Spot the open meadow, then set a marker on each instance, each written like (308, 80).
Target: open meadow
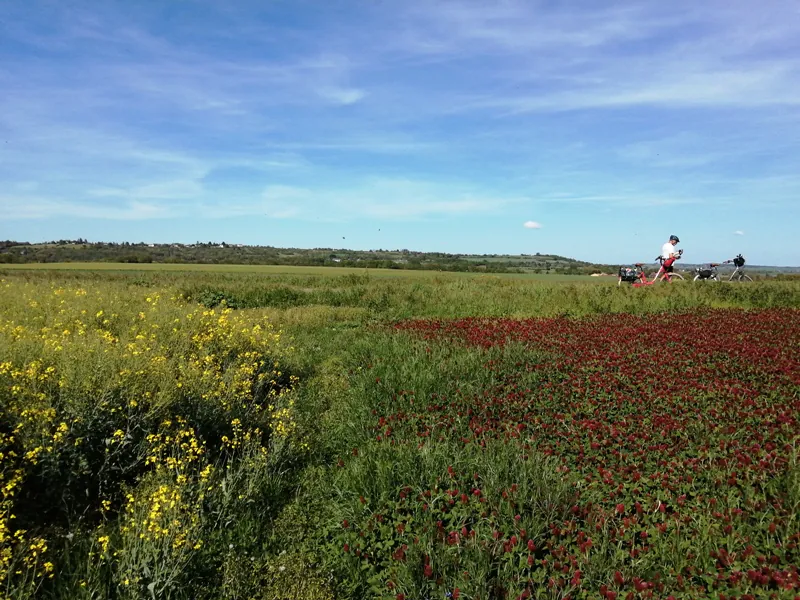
(273, 270)
(216, 432)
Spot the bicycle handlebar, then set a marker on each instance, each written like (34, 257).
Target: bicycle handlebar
(660, 258)
(730, 260)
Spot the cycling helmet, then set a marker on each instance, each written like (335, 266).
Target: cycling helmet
(674, 237)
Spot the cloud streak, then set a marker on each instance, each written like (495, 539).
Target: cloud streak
(24, 208)
(383, 199)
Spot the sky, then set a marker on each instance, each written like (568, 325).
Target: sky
(588, 129)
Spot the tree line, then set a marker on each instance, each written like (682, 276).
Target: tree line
(80, 250)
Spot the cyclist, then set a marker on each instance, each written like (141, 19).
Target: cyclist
(669, 254)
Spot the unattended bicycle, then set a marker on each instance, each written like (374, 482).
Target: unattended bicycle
(709, 273)
(634, 275)
(738, 273)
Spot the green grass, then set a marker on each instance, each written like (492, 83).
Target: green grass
(388, 295)
(280, 270)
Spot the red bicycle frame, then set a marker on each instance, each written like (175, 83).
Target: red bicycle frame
(643, 276)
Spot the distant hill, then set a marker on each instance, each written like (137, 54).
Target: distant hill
(224, 253)
(81, 250)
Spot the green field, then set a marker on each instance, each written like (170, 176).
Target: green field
(282, 270)
(238, 432)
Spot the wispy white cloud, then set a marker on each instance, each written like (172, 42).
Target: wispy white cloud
(363, 143)
(278, 160)
(686, 86)
(22, 208)
(530, 58)
(738, 232)
(375, 198)
(449, 28)
(378, 198)
(630, 200)
(532, 225)
(341, 95)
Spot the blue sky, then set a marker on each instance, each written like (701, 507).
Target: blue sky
(421, 124)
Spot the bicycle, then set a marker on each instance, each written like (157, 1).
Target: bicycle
(637, 277)
(738, 273)
(631, 274)
(666, 275)
(709, 274)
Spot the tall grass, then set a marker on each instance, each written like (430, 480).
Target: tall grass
(439, 295)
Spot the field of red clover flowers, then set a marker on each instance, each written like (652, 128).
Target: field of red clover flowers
(668, 445)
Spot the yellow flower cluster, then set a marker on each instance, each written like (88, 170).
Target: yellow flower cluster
(212, 373)
(168, 348)
(161, 513)
(20, 554)
(175, 448)
(281, 420)
(160, 525)
(82, 367)
(241, 437)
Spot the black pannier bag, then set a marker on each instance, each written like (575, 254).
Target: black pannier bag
(706, 273)
(628, 274)
(739, 261)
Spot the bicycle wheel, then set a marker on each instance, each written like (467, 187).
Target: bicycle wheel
(676, 277)
(746, 278)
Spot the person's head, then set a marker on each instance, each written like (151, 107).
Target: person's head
(673, 239)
